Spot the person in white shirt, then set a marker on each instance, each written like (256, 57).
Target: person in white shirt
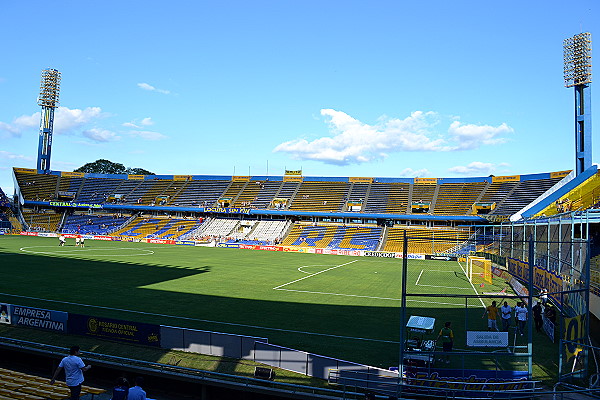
(136, 392)
(521, 316)
(74, 368)
(505, 312)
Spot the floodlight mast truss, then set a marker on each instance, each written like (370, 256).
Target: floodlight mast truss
(577, 53)
(48, 99)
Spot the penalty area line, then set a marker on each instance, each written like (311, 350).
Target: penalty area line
(372, 297)
(311, 275)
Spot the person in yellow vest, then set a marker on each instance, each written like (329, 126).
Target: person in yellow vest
(447, 337)
(492, 314)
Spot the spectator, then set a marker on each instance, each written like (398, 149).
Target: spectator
(537, 316)
(521, 316)
(551, 313)
(74, 368)
(121, 389)
(506, 312)
(447, 340)
(136, 392)
(491, 312)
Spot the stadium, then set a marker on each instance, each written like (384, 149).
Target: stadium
(294, 286)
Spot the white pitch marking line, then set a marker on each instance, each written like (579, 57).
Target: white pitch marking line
(340, 294)
(419, 278)
(371, 297)
(316, 273)
(446, 287)
(475, 290)
(440, 270)
(305, 266)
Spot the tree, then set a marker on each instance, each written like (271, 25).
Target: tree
(138, 171)
(102, 166)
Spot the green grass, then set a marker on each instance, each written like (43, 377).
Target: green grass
(344, 307)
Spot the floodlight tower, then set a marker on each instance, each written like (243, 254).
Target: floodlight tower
(577, 53)
(49, 90)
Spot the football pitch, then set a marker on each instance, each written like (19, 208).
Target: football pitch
(338, 306)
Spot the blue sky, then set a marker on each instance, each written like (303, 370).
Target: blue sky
(335, 88)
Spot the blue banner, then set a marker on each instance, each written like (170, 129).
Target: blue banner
(114, 329)
(186, 242)
(229, 245)
(39, 318)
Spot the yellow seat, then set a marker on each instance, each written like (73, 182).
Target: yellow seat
(92, 390)
(11, 385)
(14, 394)
(44, 393)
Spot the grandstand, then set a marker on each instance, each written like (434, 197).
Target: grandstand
(352, 213)
(381, 196)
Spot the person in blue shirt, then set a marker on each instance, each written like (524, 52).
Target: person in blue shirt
(121, 389)
(136, 392)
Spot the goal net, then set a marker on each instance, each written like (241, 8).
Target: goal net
(479, 270)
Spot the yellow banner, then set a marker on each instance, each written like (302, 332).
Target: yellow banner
(292, 178)
(296, 172)
(559, 174)
(25, 170)
(72, 174)
(507, 178)
(360, 180)
(426, 181)
(182, 177)
(574, 331)
(240, 178)
(136, 176)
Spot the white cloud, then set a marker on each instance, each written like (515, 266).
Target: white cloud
(20, 124)
(147, 135)
(65, 121)
(146, 86)
(147, 121)
(475, 168)
(8, 156)
(100, 135)
(473, 136)
(144, 122)
(414, 173)
(354, 142)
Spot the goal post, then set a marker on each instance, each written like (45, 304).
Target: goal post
(479, 270)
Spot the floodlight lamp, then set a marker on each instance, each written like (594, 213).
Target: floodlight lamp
(577, 52)
(49, 88)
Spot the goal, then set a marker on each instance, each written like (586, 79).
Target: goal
(479, 270)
